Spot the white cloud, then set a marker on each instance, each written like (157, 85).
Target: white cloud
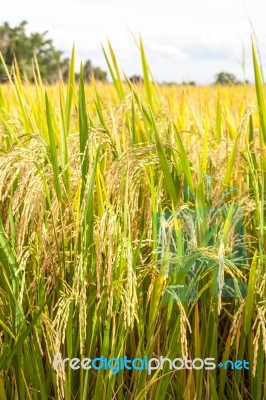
(167, 51)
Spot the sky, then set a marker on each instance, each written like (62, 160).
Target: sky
(184, 40)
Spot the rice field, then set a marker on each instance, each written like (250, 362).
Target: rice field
(132, 223)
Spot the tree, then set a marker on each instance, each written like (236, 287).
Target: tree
(14, 42)
(136, 79)
(225, 78)
(97, 72)
(190, 83)
(88, 70)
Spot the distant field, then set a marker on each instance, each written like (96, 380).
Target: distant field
(132, 223)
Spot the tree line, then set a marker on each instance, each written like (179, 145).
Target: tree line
(16, 43)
